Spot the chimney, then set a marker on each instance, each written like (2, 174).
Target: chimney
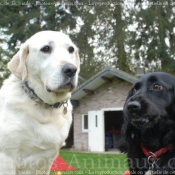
(140, 71)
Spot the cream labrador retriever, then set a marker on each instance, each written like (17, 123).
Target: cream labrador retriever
(35, 110)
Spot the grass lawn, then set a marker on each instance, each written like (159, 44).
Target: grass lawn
(95, 163)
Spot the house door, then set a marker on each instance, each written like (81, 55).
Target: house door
(96, 131)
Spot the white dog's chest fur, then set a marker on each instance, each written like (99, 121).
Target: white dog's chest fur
(40, 147)
(36, 134)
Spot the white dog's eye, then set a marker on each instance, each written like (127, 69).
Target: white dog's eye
(46, 49)
(71, 49)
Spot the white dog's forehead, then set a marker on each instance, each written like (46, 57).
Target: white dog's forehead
(43, 38)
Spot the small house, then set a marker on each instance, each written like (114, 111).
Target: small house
(98, 105)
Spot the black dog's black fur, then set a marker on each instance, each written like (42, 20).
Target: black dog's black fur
(149, 119)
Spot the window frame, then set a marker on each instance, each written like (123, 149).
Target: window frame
(82, 124)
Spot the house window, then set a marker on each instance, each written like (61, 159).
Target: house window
(84, 123)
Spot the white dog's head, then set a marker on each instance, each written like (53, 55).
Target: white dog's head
(50, 63)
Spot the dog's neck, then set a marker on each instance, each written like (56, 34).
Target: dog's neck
(157, 137)
(34, 97)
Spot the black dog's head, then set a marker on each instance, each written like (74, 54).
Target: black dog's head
(150, 99)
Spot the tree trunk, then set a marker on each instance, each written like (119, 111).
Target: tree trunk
(119, 34)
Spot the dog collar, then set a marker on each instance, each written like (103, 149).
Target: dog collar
(152, 157)
(156, 154)
(35, 97)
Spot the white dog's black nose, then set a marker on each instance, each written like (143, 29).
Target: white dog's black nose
(69, 70)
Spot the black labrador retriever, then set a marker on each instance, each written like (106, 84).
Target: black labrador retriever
(148, 132)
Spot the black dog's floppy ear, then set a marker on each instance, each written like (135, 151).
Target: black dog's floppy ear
(128, 131)
(128, 134)
(18, 63)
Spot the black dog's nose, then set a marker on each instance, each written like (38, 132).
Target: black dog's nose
(133, 106)
(69, 70)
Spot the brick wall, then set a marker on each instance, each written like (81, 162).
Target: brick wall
(109, 95)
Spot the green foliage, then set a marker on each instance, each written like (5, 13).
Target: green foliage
(149, 39)
(19, 22)
(125, 36)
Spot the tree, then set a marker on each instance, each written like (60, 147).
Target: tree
(110, 33)
(152, 39)
(22, 19)
(120, 36)
(84, 23)
(109, 36)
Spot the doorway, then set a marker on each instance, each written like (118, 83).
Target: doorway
(104, 129)
(113, 121)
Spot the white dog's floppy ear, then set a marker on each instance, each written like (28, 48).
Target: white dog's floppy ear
(18, 63)
(77, 60)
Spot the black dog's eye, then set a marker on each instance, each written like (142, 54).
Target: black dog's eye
(157, 87)
(46, 49)
(134, 91)
(71, 49)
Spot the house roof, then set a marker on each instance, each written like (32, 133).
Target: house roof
(99, 79)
